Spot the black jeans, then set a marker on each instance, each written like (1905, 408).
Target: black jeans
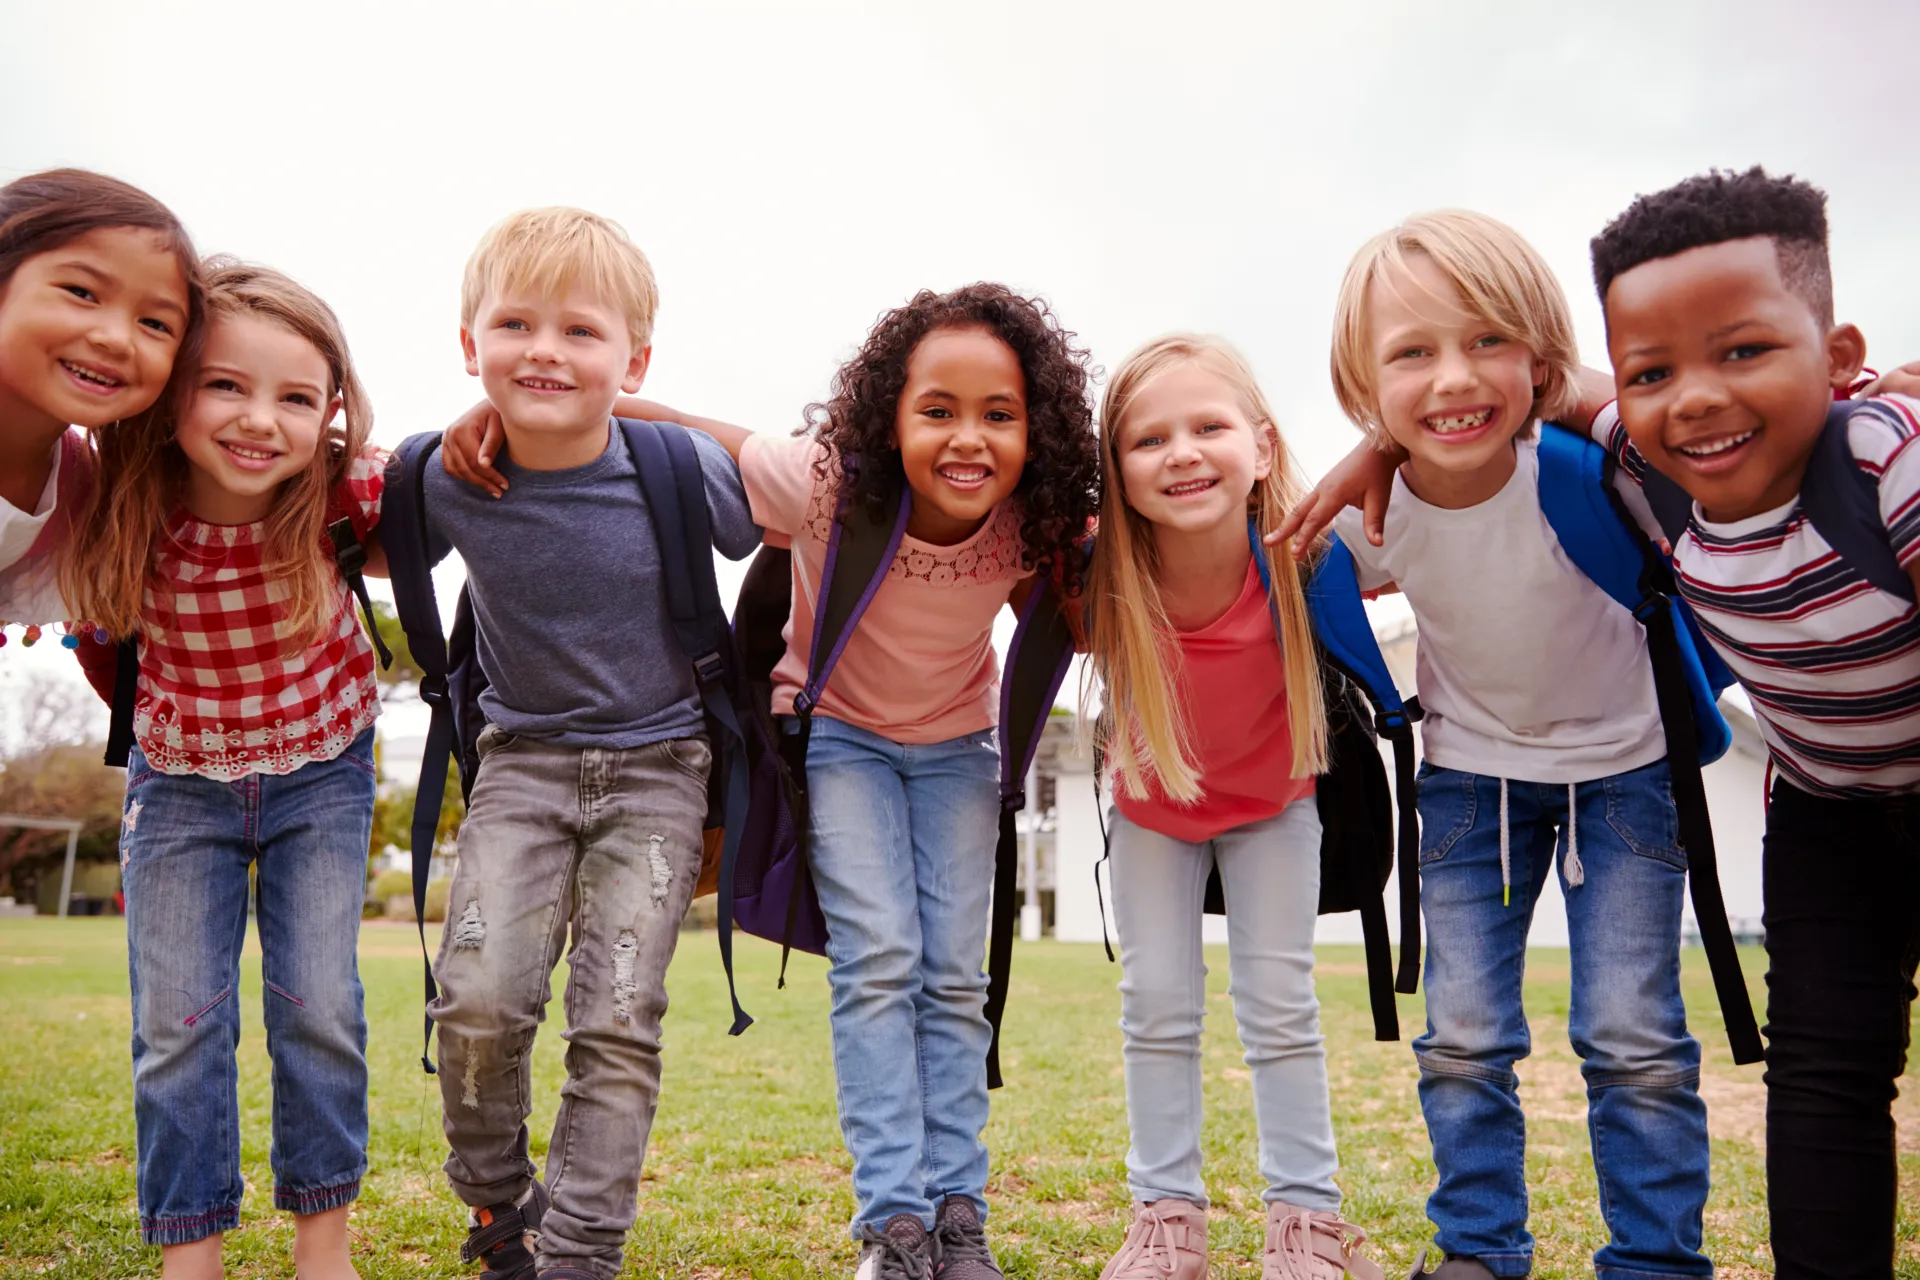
(1842, 891)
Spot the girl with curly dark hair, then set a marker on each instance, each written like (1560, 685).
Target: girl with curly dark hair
(977, 402)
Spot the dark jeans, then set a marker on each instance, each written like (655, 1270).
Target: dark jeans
(1843, 938)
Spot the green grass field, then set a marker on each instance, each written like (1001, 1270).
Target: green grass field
(746, 1175)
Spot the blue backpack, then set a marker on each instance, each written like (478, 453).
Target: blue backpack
(452, 680)
(1605, 543)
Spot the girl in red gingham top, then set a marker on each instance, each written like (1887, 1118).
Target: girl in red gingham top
(206, 543)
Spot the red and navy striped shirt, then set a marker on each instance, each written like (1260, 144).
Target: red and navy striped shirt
(1830, 662)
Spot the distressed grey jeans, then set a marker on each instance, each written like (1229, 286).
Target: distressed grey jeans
(607, 842)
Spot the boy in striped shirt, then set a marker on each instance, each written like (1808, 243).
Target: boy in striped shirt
(1719, 311)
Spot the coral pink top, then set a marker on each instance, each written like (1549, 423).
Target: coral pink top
(920, 666)
(1234, 688)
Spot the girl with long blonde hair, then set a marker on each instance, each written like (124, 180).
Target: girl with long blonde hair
(1214, 724)
(206, 543)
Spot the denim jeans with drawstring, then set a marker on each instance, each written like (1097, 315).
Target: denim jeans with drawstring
(1624, 879)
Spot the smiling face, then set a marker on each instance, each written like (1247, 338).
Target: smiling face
(1452, 390)
(260, 401)
(553, 367)
(1188, 455)
(1725, 374)
(89, 331)
(961, 428)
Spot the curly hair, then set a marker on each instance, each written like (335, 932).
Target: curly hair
(1062, 474)
(1718, 206)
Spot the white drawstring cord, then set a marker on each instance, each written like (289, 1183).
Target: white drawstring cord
(1576, 873)
(1506, 869)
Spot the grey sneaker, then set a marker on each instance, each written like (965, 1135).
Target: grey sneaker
(901, 1250)
(1452, 1269)
(960, 1243)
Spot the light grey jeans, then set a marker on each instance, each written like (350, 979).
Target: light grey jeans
(608, 842)
(1271, 873)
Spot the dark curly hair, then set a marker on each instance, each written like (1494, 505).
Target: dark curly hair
(1719, 206)
(1062, 473)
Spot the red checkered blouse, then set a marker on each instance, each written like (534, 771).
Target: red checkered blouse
(219, 695)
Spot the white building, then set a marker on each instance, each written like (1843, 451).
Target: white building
(1069, 842)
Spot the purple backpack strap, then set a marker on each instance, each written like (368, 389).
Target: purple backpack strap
(849, 579)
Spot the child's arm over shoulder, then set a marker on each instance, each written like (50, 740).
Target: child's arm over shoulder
(1369, 558)
(734, 532)
(731, 438)
(1364, 480)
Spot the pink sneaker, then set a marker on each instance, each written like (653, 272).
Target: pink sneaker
(1167, 1241)
(1304, 1244)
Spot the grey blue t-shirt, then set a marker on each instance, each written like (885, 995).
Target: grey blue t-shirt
(569, 603)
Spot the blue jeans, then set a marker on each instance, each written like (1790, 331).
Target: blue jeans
(1270, 871)
(902, 846)
(186, 846)
(1645, 1118)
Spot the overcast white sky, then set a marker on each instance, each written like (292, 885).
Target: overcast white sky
(793, 169)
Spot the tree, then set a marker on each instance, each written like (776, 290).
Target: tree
(404, 669)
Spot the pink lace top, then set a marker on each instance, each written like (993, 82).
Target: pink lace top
(920, 667)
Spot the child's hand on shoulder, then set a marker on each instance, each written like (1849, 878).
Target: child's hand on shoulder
(1363, 479)
(1904, 381)
(469, 446)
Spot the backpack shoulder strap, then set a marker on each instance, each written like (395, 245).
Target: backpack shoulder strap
(403, 536)
(1037, 663)
(860, 550)
(670, 476)
(1842, 503)
(1348, 644)
(126, 691)
(1594, 529)
(1575, 497)
(351, 558)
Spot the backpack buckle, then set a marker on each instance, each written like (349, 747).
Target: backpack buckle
(1649, 604)
(803, 703)
(709, 668)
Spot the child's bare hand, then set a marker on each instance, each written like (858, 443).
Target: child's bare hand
(1904, 381)
(1363, 479)
(469, 446)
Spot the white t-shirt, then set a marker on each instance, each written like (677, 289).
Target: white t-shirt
(1527, 670)
(29, 590)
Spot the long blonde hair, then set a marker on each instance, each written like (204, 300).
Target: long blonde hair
(1142, 727)
(143, 476)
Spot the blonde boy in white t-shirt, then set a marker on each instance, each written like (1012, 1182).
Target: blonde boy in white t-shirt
(1452, 340)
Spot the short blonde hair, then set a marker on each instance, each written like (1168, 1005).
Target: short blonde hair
(549, 251)
(1500, 278)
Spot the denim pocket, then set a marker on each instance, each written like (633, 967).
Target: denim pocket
(691, 756)
(493, 738)
(1640, 811)
(1446, 802)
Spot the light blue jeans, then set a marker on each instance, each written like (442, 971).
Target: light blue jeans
(186, 846)
(1270, 871)
(903, 838)
(1626, 1020)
